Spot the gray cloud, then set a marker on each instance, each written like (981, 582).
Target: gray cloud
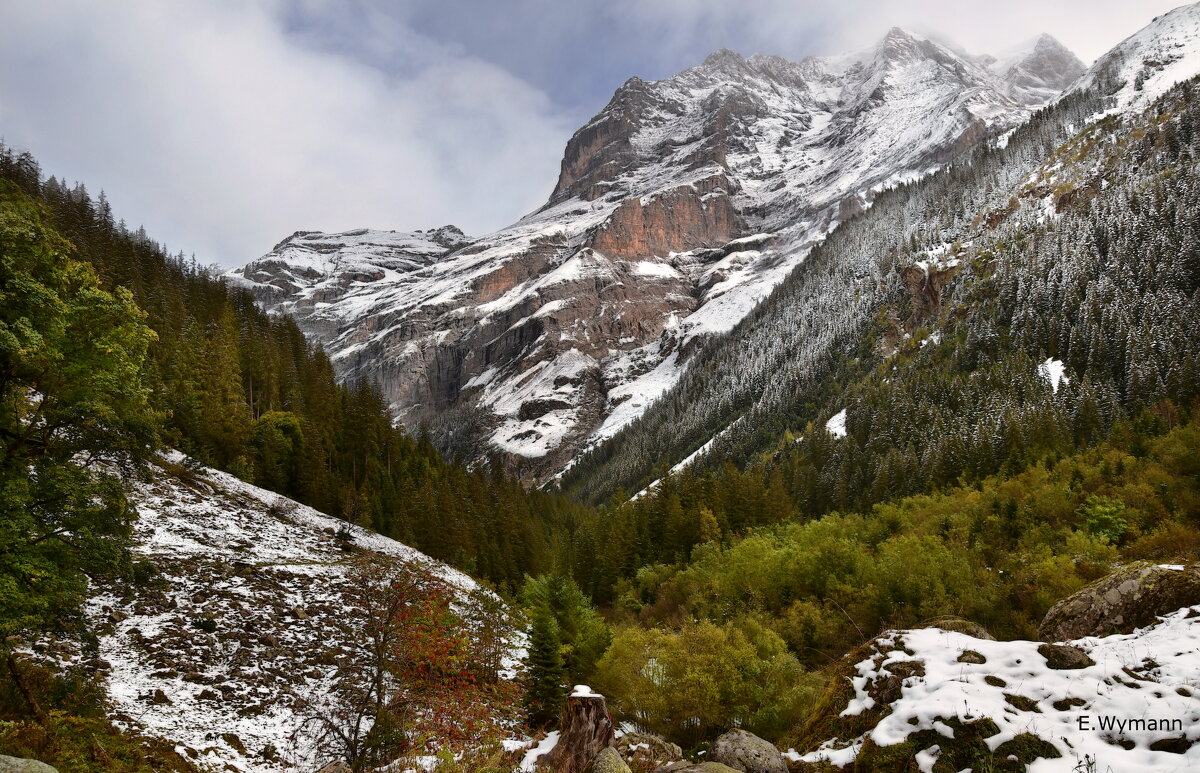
(225, 125)
(222, 134)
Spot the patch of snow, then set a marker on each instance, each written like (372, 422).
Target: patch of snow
(1054, 372)
(836, 425)
(544, 747)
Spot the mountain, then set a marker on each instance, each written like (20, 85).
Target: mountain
(1143, 66)
(678, 208)
(912, 272)
(1038, 71)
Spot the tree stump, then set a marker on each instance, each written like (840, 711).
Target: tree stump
(584, 730)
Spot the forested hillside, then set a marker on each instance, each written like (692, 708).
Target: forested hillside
(245, 392)
(928, 318)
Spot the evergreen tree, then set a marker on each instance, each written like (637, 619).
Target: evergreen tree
(547, 674)
(75, 419)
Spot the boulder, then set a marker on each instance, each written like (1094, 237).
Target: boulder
(19, 765)
(960, 625)
(748, 753)
(648, 752)
(1131, 597)
(337, 766)
(702, 767)
(609, 761)
(1062, 657)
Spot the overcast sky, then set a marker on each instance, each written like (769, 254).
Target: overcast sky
(225, 125)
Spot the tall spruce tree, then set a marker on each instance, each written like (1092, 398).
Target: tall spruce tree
(547, 674)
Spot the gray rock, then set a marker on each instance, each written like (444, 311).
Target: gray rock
(648, 750)
(748, 753)
(703, 767)
(608, 761)
(1131, 597)
(960, 625)
(1061, 657)
(335, 767)
(18, 765)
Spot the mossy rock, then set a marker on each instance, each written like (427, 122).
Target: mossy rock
(19, 765)
(608, 761)
(646, 752)
(1132, 597)
(960, 625)
(1063, 658)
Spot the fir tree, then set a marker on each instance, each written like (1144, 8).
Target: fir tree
(547, 674)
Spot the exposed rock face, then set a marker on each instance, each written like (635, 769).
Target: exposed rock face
(748, 753)
(677, 208)
(1132, 597)
(1038, 72)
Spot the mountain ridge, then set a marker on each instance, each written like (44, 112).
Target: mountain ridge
(677, 209)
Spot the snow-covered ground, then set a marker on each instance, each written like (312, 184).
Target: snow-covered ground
(238, 635)
(1140, 696)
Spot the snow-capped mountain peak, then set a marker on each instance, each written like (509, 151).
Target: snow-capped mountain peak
(1038, 70)
(1148, 63)
(678, 207)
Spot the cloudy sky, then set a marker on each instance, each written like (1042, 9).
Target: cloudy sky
(225, 125)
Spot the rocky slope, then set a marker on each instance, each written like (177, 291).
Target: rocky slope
(677, 209)
(230, 646)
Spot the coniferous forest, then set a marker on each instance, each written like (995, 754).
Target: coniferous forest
(245, 392)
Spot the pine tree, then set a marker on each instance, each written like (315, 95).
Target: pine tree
(547, 674)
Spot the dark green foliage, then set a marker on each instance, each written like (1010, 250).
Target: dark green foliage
(547, 673)
(75, 418)
(998, 553)
(582, 633)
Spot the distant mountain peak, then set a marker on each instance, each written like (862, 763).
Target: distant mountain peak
(1037, 70)
(723, 56)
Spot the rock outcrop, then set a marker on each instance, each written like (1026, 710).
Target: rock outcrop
(645, 752)
(1132, 597)
(933, 699)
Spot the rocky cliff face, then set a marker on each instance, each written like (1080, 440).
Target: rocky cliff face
(677, 208)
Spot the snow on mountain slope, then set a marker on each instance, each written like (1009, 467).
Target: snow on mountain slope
(1148, 63)
(1130, 705)
(1038, 71)
(678, 208)
(239, 634)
